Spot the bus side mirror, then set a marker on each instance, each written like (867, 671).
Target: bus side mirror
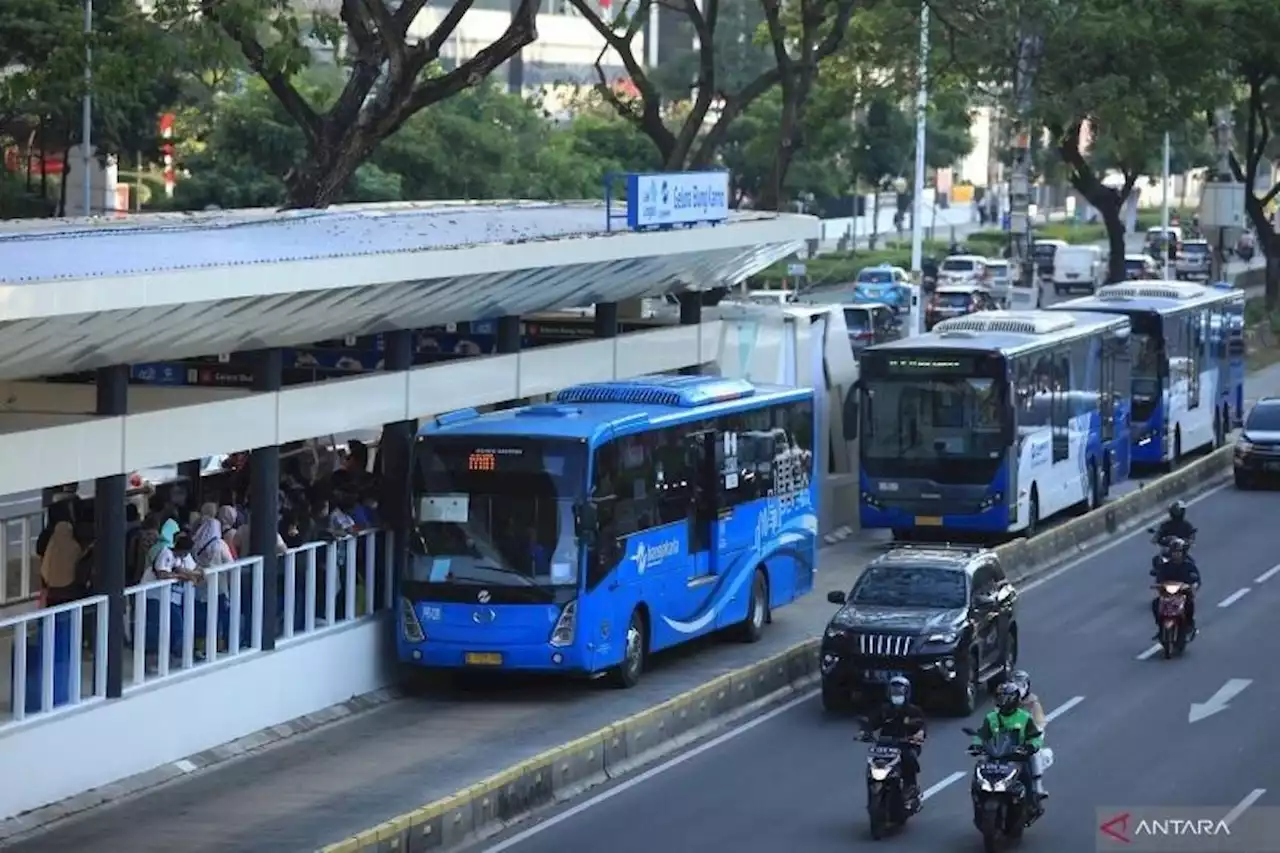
(586, 522)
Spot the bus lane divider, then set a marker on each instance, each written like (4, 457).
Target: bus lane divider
(562, 774)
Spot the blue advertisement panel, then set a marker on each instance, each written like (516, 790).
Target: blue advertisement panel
(662, 200)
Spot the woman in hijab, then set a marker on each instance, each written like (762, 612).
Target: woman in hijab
(59, 562)
(229, 519)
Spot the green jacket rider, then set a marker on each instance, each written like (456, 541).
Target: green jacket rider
(1010, 716)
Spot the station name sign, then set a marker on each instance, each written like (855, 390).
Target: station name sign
(667, 199)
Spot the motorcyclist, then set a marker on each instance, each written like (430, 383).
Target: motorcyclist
(900, 720)
(1030, 703)
(1178, 568)
(1009, 716)
(1176, 526)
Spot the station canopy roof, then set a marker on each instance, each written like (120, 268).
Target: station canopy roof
(81, 294)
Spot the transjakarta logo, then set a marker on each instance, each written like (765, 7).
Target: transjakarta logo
(653, 555)
(698, 198)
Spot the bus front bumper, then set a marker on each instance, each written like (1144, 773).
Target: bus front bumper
(538, 657)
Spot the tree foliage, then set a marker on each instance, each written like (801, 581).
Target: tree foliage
(1106, 77)
(392, 74)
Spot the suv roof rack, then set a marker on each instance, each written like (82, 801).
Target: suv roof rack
(958, 547)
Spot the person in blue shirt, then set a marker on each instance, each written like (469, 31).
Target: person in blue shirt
(1178, 568)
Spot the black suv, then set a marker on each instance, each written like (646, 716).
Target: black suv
(1257, 455)
(943, 616)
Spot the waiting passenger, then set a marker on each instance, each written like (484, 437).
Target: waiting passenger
(230, 521)
(60, 581)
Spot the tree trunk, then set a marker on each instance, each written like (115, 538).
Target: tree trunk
(1108, 202)
(320, 181)
(1268, 245)
(1111, 210)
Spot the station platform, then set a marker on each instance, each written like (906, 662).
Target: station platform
(259, 642)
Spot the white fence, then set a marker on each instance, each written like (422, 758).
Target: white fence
(173, 627)
(20, 575)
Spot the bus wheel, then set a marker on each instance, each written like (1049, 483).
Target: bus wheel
(752, 628)
(629, 671)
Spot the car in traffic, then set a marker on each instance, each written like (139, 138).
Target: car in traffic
(1044, 251)
(1159, 239)
(962, 269)
(1195, 261)
(1141, 268)
(944, 617)
(870, 323)
(884, 285)
(1257, 453)
(1078, 268)
(956, 300)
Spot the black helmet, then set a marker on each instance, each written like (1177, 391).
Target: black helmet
(1008, 698)
(1022, 679)
(1178, 510)
(899, 690)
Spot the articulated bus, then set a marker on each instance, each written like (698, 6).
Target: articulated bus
(994, 421)
(580, 536)
(1188, 368)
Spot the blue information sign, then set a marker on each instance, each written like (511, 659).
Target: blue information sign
(666, 199)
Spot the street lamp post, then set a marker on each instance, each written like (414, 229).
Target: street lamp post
(86, 112)
(922, 119)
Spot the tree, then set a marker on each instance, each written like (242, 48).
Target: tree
(1106, 77)
(135, 67)
(483, 144)
(1255, 67)
(391, 74)
(682, 137)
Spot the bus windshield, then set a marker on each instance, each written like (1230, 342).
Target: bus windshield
(496, 511)
(921, 426)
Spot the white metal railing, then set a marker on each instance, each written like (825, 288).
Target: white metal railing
(20, 574)
(229, 629)
(46, 653)
(327, 584)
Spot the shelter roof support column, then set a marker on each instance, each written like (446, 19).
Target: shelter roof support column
(109, 529)
(395, 458)
(606, 320)
(508, 334)
(264, 500)
(690, 315)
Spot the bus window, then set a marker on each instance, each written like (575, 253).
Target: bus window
(1061, 387)
(1195, 357)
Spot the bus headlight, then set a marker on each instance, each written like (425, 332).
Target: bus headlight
(566, 626)
(410, 627)
(994, 499)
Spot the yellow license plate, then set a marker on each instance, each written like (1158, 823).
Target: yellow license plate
(928, 521)
(483, 659)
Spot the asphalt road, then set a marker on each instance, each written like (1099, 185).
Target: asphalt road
(793, 780)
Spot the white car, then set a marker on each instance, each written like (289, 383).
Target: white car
(962, 269)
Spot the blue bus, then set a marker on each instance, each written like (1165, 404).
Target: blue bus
(993, 421)
(582, 535)
(1189, 363)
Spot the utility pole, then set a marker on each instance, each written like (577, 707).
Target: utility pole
(1222, 202)
(86, 112)
(922, 127)
(1164, 210)
(1021, 235)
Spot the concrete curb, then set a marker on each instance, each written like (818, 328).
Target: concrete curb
(563, 773)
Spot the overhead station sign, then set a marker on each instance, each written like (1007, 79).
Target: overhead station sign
(669, 199)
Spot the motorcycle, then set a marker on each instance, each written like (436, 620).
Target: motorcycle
(889, 802)
(1172, 608)
(1003, 805)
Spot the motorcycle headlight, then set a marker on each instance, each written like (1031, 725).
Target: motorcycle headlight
(879, 774)
(1170, 589)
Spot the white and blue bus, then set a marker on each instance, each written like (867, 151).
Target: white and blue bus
(992, 422)
(582, 535)
(1188, 367)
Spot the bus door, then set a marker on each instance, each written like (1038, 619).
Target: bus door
(703, 527)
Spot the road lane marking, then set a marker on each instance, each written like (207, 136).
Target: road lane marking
(1063, 708)
(1268, 574)
(1243, 806)
(639, 779)
(1151, 652)
(938, 787)
(1104, 548)
(1234, 597)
